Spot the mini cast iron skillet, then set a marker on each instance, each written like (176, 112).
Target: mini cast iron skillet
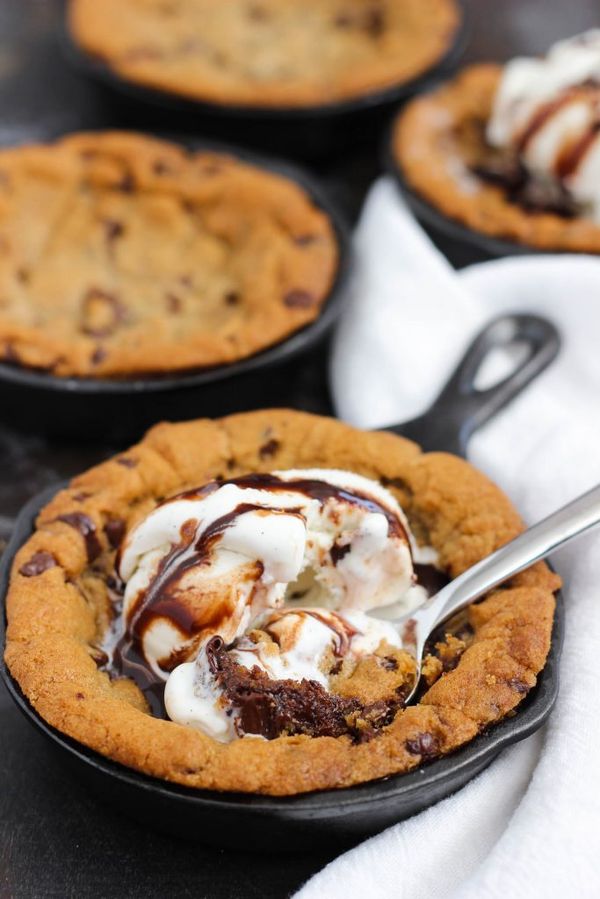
(85, 409)
(464, 244)
(305, 132)
(332, 817)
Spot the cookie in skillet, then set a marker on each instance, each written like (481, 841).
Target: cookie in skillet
(266, 53)
(221, 573)
(513, 151)
(122, 255)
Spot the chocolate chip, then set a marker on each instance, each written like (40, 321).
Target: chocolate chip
(115, 531)
(423, 744)
(389, 663)
(257, 13)
(374, 22)
(79, 497)
(39, 562)
(160, 167)
(22, 275)
(10, 354)
(127, 462)
(86, 527)
(398, 483)
(127, 183)
(113, 229)
(299, 299)
(337, 552)
(173, 303)
(304, 240)
(98, 356)
(269, 448)
(232, 298)
(102, 312)
(79, 696)
(99, 656)
(518, 686)
(343, 20)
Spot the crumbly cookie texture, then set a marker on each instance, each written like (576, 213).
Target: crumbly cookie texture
(58, 606)
(122, 255)
(266, 52)
(439, 139)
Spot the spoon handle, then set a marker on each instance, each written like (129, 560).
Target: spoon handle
(530, 546)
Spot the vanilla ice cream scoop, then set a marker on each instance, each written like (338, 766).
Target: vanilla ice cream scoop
(547, 111)
(212, 561)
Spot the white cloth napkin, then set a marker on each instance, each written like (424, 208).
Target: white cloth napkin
(528, 826)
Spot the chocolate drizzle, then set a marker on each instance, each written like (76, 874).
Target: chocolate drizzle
(341, 628)
(263, 706)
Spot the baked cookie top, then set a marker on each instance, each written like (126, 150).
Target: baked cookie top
(277, 53)
(59, 607)
(440, 146)
(123, 255)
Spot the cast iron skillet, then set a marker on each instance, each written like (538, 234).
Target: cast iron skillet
(88, 408)
(337, 817)
(468, 245)
(307, 132)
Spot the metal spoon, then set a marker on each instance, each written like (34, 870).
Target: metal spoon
(533, 544)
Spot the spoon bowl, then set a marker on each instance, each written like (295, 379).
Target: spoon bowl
(534, 544)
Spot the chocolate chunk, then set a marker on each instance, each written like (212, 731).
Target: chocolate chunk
(79, 696)
(102, 312)
(299, 299)
(274, 707)
(232, 298)
(423, 744)
(518, 686)
(39, 562)
(127, 461)
(115, 531)
(337, 552)
(269, 448)
(86, 527)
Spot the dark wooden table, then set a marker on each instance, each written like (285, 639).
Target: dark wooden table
(55, 840)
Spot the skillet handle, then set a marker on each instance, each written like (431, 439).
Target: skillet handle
(461, 408)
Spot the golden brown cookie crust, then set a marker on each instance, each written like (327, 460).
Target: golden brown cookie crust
(439, 137)
(123, 255)
(266, 52)
(55, 617)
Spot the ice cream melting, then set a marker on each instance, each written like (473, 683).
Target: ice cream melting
(278, 571)
(547, 112)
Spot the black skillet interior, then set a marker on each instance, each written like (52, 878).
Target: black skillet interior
(87, 408)
(335, 817)
(307, 133)
(464, 245)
